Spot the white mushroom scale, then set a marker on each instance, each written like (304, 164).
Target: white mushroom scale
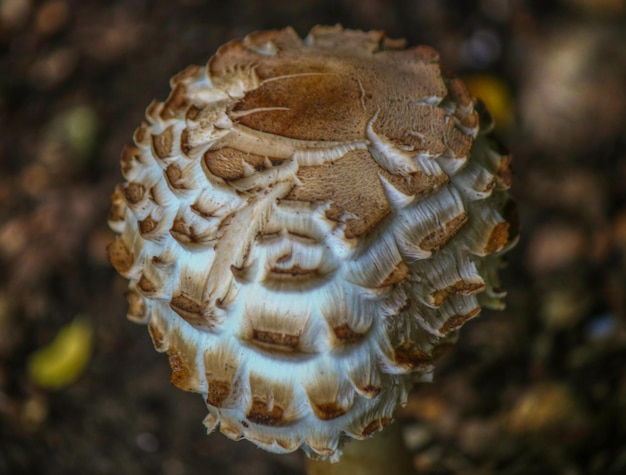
(306, 224)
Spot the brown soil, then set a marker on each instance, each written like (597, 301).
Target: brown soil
(538, 388)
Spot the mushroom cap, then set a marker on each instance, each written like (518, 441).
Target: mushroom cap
(305, 225)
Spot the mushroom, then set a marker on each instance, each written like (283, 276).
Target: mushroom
(305, 225)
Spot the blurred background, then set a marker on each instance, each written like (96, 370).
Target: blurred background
(538, 388)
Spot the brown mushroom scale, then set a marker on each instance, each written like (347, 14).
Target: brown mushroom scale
(305, 225)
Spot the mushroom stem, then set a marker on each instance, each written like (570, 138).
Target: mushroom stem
(383, 454)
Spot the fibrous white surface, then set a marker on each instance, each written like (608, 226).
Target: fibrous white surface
(305, 224)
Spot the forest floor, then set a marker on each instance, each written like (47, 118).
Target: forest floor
(537, 388)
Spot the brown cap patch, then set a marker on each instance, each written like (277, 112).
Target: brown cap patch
(441, 236)
(362, 206)
(162, 143)
(375, 426)
(275, 340)
(347, 335)
(218, 391)
(319, 104)
(457, 321)
(183, 371)
(133, 192)
(260, 413)
(459, 287)
(408, 355)
(120, 255)
(327, 411)
(498, 238)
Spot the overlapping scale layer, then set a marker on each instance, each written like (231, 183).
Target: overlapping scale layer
(305, 224)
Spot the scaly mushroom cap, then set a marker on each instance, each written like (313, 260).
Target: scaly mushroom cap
(305, 224)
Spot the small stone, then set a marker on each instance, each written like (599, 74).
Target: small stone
(562, 308)
(53, 68)
(147, 442)
(549, 411)
(555, 246)
(51, 16)
(417, 436)
(14, 13)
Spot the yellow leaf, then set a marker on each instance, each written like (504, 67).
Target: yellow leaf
(62, 361)
(495, 95)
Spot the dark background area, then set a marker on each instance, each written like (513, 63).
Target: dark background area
(538, 388)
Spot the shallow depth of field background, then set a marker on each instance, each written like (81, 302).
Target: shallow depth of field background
(539, 388)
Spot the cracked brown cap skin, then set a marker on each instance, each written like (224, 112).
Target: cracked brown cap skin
(305, 225)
